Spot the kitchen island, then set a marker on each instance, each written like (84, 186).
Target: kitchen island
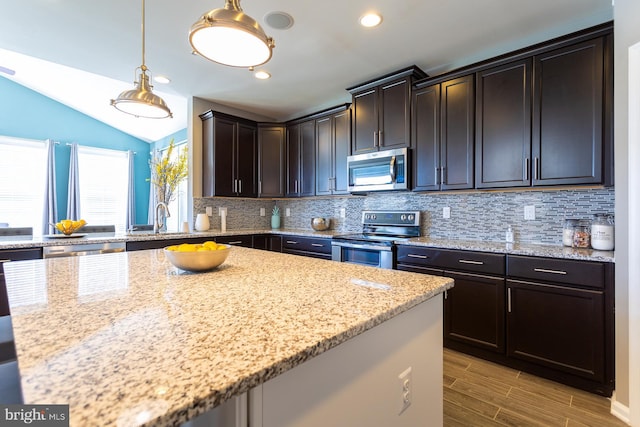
(128, 339)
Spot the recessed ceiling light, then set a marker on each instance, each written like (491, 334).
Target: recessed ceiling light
(161, 79)
(279, 20)
(372, 19)
(262, 75)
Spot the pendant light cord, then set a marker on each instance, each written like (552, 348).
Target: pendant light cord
(144, 67)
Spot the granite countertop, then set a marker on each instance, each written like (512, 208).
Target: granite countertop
(552, 251)
(128, 338)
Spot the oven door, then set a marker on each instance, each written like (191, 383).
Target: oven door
(363, 253)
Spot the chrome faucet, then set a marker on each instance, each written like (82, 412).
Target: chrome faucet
(157, 225)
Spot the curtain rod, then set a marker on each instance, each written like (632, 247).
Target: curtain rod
(68, 144)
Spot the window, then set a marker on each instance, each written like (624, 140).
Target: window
(22, 182)
(103, 176)
(178, 207)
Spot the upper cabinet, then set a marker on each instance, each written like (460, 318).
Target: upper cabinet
(381, 112)
(229, 149)
(271, 160)
(301, 159)
(442, 133)
(333, 141)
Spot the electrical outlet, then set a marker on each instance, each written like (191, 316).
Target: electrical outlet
(220, 210)
(446, 212)
(208, 210)
(261, 211)
(287, 212)
(343, 212)
(405, 389)
(530, 213)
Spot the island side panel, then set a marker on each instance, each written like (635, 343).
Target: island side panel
(357, 383)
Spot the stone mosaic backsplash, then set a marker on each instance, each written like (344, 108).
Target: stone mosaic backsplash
(480, 215)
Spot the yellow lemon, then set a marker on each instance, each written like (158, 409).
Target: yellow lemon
(186, 247)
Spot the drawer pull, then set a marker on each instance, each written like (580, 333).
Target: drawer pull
(468, 261)
(544, 270)
(317, 245)
(508, 300)
(237, 242)
(417, 256)
(4, 260)
(292, 242)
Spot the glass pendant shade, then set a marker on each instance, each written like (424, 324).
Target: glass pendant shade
(229, 37)
(141, 101)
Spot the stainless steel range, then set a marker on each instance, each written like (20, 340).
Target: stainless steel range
(375, 244)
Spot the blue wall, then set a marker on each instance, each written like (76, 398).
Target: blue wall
(27, 114)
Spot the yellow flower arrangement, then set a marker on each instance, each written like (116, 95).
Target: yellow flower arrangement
(167, 173)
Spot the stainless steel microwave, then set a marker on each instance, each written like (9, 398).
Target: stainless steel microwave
(379, 171)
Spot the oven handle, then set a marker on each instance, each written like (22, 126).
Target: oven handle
(362, 246)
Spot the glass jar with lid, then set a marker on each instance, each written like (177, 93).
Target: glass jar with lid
(582, 234)
(602, 232)
(567, 231)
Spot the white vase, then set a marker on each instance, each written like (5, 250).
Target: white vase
(202, 222)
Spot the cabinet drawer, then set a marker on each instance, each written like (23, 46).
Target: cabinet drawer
(245, 240)
(476, 262)
(306, 244)
(20, 254)
(581, 273)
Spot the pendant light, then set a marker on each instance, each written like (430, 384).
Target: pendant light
(141, 101)
(229, 37)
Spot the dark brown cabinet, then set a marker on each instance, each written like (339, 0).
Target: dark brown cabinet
(268, 242)
(229, 150)
(567, 136)
(503, 125)
(381, 112)
(307, 246)
(443, 135)
(271, 160)
(140, 245)
(301, 159)
(245, 240)
(7, 255)
(333, 140)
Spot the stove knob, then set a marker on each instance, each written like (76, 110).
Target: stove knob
(411, 217)
(373, 216)
(403, 217)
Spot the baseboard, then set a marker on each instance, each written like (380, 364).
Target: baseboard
(619, 410)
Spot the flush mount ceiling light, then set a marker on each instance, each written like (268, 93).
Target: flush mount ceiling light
(141, 101)
(372, 19)
(229, 37)
(262, 75)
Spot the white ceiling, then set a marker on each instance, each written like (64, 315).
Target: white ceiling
(323, 53)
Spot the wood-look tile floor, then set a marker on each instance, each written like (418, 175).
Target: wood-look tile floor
(481, 393)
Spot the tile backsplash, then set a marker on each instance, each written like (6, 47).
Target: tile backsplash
(476, 215)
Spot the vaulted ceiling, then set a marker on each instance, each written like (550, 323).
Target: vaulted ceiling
(83, 53)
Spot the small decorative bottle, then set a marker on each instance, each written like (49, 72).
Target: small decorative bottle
(275, 217)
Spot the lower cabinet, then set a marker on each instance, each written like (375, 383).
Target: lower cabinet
(307, 246)
(550, 317)
(268, 242)
(140, 245)
(7, 255)
(245, 240)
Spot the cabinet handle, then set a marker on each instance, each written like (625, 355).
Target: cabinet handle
(535, 168)
(468, 261)
(379, 138)
(317, 245)
(4, 260)
(442, 175)
(239, 186)
(445, 295)
(417, 256)
(436, 177)
(292, 242)
(235, 242)
(508, 300)
(527, 163)
(375, 139)
(235, 186)
(259, 187)
(544, 270)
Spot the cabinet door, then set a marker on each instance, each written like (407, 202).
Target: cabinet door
(307, 177)
(224, 159)
(324, 156)
(457, 133)
(558, 327)
(242, 240)
(474, 311)
(426, 138)
(394, 115)
(293, 160)
(341, 146)
(365, 121)
(208, 170)
(271, 161)
(503, 126)
(567, 117)
(246, 161)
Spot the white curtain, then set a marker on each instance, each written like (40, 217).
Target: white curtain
(155, 154)
(131, 193)
(73, 195)
(50, 211)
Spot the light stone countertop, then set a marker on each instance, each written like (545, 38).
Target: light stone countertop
(124, 336)
(551, 251)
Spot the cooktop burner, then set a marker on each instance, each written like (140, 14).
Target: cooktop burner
(385, 227)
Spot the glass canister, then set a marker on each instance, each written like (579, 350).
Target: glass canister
(602, 232)
(567, 231)
(582, 234)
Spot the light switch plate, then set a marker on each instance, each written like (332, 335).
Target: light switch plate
(530, 212)
(343, 212)
(261, 211)
(446, 212)
(222, 209)
(208, 210)
(287, 212)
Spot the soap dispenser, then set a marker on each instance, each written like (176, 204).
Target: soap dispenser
(509, 235)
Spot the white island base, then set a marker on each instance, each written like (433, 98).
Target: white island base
(354, 384)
